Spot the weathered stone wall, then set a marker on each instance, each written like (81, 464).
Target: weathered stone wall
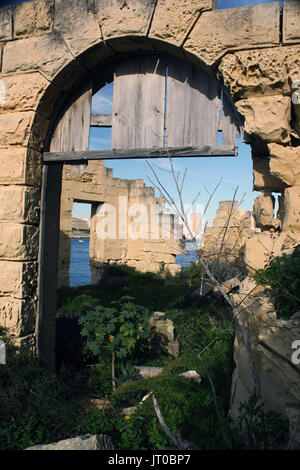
(229, 231)
(97, 186)
(47, 47)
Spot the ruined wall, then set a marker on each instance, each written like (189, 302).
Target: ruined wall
(97, 186)
(229, 231)
(47, 47)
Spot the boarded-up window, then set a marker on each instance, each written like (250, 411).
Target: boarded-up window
(167, 102)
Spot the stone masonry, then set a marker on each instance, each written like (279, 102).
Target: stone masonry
(48, 47)
(229, 231)
(97, 186)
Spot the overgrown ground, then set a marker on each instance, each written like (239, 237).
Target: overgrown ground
(39, 406)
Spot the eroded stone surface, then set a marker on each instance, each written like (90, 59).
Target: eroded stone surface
(291, 21)
(262, 178)
(285, 163)
(76, 20)
(267, 117)
(47, 54)
(33, 18)
(291, 221)
(119, 18)
(232, 29)
(19, 204)
(23, 92)
(5, 23)
(174, 18)
(260, 71)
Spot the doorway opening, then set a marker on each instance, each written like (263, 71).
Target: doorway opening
(80, 270)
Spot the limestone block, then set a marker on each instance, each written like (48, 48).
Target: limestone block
(18, 279)
(19, 204)
(263, 211)
(17, 315)
(233, 29)
(76, 21)
(13, 165)
(5, 23)
(173, 19)
(266, 71)
(33, 18)
(262, 178)
(17, 129)
(85, 442)
(263, 246)
(47, 53)
(119, 18)
(267, 117)
(285, 163)
(147, 371)
(191, 375)
(291, 21)
(23, 92)
(18, 241)
(291, 221)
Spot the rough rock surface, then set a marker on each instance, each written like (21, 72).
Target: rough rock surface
(85, 442)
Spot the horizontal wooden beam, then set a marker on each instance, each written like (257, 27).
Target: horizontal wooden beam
(101, 120)
(175, 152)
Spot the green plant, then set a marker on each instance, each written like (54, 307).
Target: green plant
(116, 329)
(258, 428)
(282, 274)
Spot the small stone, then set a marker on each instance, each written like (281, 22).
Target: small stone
(84, 442)
(159, 315)
(191, 375)
(173, 348)
(129, 411)
(146, 371)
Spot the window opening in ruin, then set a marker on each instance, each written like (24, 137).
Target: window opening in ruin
(80, 271)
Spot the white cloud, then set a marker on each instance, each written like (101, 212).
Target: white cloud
(101, 104)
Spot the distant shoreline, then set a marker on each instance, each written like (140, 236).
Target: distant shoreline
(80, 235)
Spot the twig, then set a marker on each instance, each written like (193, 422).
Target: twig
(177, 440)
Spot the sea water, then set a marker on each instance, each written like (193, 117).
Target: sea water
(80, 271)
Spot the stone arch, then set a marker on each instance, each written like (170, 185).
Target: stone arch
(57, 98)
(50, 46)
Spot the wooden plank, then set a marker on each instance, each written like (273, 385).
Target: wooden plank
(178, 103)
(73, 130)
(48, 262)
(205, 108)
(230, 127)
(101, 120)
(138, 103)
(163, 152)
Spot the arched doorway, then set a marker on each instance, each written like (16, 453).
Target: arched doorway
(162, 106)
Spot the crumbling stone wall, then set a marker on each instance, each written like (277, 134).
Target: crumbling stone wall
(98, 186)
(47, 47)
(229, 231)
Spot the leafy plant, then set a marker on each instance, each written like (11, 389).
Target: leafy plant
(116, 329)
(258, 428)
(282, 274)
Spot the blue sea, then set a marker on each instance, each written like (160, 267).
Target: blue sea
(80, 271)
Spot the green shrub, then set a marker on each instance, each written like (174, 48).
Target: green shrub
(36, 405)
(116, 329)
(282, 274)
